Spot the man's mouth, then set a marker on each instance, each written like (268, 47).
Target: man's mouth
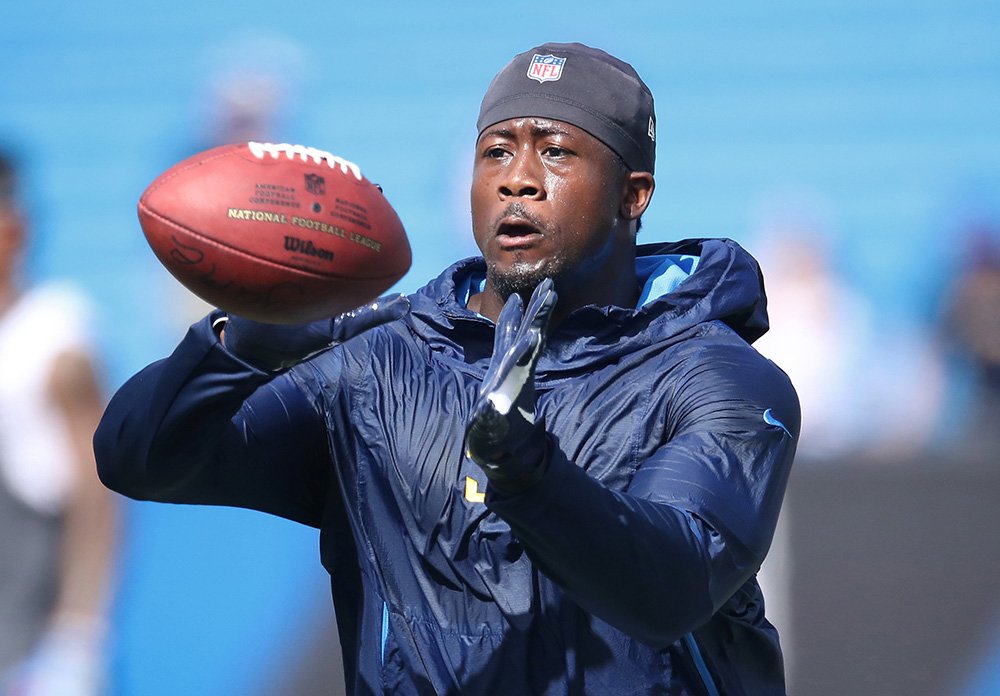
(517, 233)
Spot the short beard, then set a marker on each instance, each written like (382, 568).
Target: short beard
(522, 278)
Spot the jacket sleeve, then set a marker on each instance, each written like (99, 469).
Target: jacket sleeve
(659, 558)
(202, 426)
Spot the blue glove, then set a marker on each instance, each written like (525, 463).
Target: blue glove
(273, 347)
(503, 436)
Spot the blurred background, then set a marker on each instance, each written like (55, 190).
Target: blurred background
(853, 147)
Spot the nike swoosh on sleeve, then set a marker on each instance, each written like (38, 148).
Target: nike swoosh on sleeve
(771, 419)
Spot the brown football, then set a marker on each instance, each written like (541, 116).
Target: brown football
(277, 233)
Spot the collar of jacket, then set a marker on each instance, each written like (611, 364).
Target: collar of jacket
(727, 286)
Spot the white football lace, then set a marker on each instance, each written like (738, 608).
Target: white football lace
(306, 153)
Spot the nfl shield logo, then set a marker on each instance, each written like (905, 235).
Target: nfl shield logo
(546, 68)
(315, 184)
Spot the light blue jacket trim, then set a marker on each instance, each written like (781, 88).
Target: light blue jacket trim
(699, 663)
(659, 275)
(470, 285)
(385, 630)
(662, 274)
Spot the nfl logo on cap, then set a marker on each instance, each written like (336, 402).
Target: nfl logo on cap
(545, 68)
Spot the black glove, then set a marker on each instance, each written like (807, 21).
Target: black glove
(503, 437)
(273, 347)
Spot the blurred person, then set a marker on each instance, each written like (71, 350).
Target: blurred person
(57, 523)
(819, 335)
(972, 331)
(867, 392)
(555, 469)
(868, 386)
(251, 88)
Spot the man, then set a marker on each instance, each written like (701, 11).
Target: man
(57, 523)
(580, 509)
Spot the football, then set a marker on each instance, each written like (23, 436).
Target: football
(276, 233)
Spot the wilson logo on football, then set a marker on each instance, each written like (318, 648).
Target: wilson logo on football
(304, 246)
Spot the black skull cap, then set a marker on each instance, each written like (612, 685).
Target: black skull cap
(584, 86)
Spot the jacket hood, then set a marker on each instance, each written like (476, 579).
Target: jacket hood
(726, 286)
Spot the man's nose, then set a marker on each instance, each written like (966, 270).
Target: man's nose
(523, 178)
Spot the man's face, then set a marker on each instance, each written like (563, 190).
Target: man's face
(545, 199)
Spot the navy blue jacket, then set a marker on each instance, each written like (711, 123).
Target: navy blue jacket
(628, 569)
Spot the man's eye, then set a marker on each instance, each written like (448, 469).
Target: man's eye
(495, 152)
(554, 151)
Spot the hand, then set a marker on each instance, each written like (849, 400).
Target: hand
(503, 436)
(274, 347)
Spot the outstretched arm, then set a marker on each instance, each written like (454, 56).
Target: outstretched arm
(659, 558)
(217, 424)
(204, 426)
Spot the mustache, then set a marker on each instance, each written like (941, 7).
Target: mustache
(518, 210)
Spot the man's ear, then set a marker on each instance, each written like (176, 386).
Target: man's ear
(638, 192)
